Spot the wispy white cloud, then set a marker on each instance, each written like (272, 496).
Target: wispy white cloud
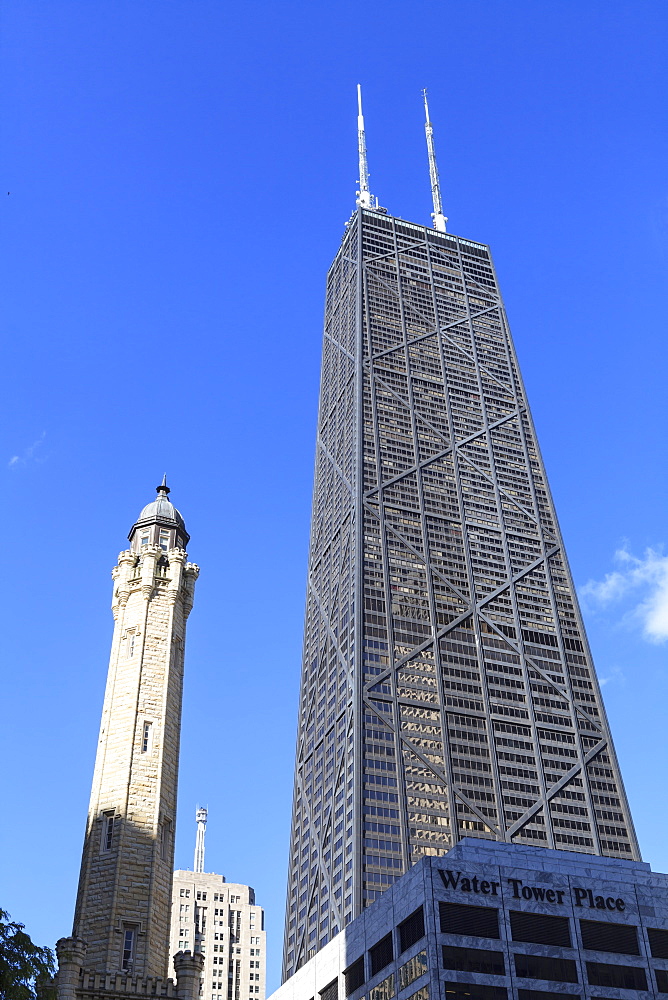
(645, 577)
(614, 674)
(18, 461)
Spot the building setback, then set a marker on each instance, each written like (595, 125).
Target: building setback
(221, 921)
(447, 686)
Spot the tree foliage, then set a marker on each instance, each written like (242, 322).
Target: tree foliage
(25, 968)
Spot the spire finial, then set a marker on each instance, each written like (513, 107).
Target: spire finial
(437, 215)
(364, 197)
(163, 487)
(201, 816)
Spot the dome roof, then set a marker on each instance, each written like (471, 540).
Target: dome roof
(161, 511)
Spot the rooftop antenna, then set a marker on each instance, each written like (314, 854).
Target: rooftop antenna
(201, 817)
(364, 196)
(437, 215)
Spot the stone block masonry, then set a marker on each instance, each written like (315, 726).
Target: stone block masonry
(120, 940)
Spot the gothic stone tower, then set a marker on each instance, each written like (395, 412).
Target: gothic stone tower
(124, 898)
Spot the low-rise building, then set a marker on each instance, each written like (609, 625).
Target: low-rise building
(221, 921)
(495, 921)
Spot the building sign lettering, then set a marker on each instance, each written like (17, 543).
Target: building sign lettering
(534, 893)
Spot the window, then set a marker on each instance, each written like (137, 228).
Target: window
(421, 994)
(411, 930)
(600, 935)
(621, 977)
(107, 831)
(559, 970)
(144, 538)
(354, 976)
(129, 935)
(165, 839)
(331, 991)
(543, 995)
(132, 639)
(661, 980)
(476, 921)
(384, 990)
(412, 970)
(146, 738)
(472, 991)
(474, 960)
(381, 954)
(184, 892)
(658, 942)
(164, 540)
(539, 928)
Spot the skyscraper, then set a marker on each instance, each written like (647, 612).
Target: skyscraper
(447, 686)
(122, 918)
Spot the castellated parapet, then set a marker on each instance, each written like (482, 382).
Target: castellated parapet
(120, 940)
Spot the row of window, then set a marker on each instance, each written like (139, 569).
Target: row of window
(540, 928)
(476, 991)
(216, 985)
(387, 989)
(558, 970)
(201, 895)
(110, 822)
(163, 539)
(221, 996)
(410, 931)
(201, 946)
(407, 974)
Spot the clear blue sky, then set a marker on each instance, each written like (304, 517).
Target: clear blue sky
(179, 175)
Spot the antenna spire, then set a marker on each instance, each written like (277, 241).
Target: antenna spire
(364, 196)
(201, 816)
(437, 215)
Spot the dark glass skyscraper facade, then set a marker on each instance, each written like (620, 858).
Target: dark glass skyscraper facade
(447, 687)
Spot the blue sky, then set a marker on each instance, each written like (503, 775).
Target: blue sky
(179, 173)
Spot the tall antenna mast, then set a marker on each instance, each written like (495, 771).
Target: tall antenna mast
(201, 816)
(364, 196)
(437, 215)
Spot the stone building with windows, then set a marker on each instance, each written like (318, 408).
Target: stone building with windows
(120, 941)
(495, 921)
(220, 921)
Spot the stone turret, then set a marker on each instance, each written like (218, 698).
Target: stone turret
(122, 918)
